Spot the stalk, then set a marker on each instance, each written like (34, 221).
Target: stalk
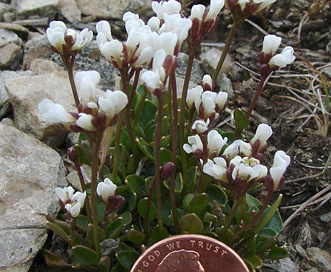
(174, 149)
(157, 166)
(256, 97)
(225, 51)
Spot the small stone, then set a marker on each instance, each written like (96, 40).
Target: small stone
(73, 178)
(317, 258)
(21, 31)
(7, 36)
(105, 9)
(326, 217)
(43, 66)
(42, 8)
(11, 55)
(69, 10)
(3, 9)
(25, 93)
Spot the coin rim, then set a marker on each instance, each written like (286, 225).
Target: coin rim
(195, 236)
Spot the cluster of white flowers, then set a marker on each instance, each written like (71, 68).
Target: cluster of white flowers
(94, 111)
(64, 40)
(70, 200)
(239, 161)
(270, 46)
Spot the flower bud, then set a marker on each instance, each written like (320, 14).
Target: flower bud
(167, 170)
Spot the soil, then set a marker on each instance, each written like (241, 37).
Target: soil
(294, 103)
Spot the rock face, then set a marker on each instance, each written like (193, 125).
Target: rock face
(25, 95)
(43, 8)
(30, 173)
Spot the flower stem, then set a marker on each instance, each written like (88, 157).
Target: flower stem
(256, 97)
(116, 156)
(157, 174)
(224, 52)
(182, 114)
(94, 182)
(174, 149)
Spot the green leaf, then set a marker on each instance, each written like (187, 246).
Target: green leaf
(190, 183)
(253, 203)
(217, 194)
(276, 253)
(147, 114)
(186, 201)
(145, 147)
(82, 221)
(135, 236)
(129, 196)
(199, 204)
(54, 260)
(178, 183)
(158, 234)
(255, 261)
(58, 231)
(271, 218)
(241, 120)
(166, 213)
(137, 184)
(114, 228)
(127, 258)
(118, 268)
(84, 255)
(191, 223)
(165, 156)
(127, 218)
(142, 209)
(165, 140)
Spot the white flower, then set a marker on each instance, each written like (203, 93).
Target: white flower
(238, 147)
(132, 21)
(207, 80)
(168, 7)
(197, 11)
(200, 126)
(154, 23)
(208, 103)
(57, 32)
(176, 24)
(113, 103)
(263, 133)
(271, 44)
(221, 99)
(194, 96)
(54, 112)
(64, 194)
(216, 168)
(215, 142)
(284, 58)
(104, 31)
(112, 51)
(76, 204)
(86, 82)
(247, 169)
(166, 41)
(85, 122)
(214, 9)
(154, 79)
(281, 162)
(194, 145)
(106, 189)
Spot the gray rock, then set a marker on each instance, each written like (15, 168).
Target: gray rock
(317, 258)
(197, 71)
(4, 8)
(25, 93)
(21, 31)
(11, 56)
(89, 59)
(42, 8)
(4, 100)
(103, 8)
(43, 66)
(69, 10)
(30, 173)
(7, 36)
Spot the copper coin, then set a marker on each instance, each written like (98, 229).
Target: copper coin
(189, 253)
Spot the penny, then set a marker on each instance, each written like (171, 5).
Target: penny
(189, 253)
